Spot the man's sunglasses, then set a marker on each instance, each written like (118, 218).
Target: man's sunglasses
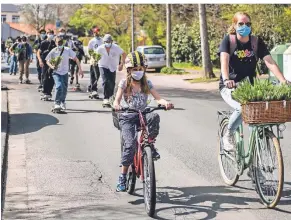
(247, 24)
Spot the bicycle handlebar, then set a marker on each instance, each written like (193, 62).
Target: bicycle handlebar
(146, 111)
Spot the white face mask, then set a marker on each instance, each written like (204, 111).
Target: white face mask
(137, 75)
(50, 37)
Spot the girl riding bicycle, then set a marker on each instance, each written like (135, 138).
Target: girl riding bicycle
(133, 93)
(238, 56)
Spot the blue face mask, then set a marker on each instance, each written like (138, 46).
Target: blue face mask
(243, 30)
(42, 36)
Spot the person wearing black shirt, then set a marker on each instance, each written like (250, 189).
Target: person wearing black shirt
(238, 64)
(78, 49)
(47, 80)
(35, 47)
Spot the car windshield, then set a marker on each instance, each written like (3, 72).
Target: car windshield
(154, 50)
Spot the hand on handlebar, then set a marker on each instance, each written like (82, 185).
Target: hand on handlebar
(229, 84)
(116, 106)
(169, 106)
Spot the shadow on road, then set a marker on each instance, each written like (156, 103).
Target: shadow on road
(190, 94)
(185, 201)
(87, 111)
(4, 116)
(30, 122)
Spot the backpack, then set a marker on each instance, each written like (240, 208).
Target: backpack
(21, 54)
(260, 66)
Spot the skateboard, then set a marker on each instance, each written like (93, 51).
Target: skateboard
(57, 110)
(106, 105)
(45, 98)
(93, 96)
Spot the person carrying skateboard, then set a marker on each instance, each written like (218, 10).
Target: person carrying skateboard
(110, 55)
(58, 60)
(94, 43)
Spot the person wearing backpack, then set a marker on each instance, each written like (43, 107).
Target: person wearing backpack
(24, 58)
(239, 52)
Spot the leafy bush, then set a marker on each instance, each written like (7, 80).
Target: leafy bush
(85, 40)
(262, 90)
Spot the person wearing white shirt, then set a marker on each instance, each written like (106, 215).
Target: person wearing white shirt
(60, 72)
(110, 57)
(94, 43)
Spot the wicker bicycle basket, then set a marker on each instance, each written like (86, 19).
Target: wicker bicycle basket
(266, 112)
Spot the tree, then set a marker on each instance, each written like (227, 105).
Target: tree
(169, 58)
(37, 15)
(207, 66)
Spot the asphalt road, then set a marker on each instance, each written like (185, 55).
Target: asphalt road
(66, 166)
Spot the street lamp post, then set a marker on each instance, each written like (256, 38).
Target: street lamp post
(132, 27)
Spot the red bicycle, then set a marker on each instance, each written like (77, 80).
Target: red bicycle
(143, 164)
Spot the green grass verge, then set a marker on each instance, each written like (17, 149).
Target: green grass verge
(173, 71)
(190, 66)
(202, 80)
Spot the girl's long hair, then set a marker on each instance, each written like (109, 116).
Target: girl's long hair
(231, 29)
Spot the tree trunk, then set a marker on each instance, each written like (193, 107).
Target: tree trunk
(169, 59)
(132, 27)
(207, 66)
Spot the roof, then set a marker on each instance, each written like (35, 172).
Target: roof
(25, 28)
(9, 8)
(29, 29)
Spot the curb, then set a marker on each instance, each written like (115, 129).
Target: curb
(4, 159)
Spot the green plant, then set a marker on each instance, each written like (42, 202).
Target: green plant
(56, 61)
(96, 56)
(261, 90)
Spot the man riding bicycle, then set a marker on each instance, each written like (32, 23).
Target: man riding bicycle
(133, 93)
(238, 56)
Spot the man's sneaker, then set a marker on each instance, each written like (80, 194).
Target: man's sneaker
(228, 141)
(121, 185)
(57, 106)
(106, 102)
(39, 87)
(20, 81)
(63, 106)
(27, 81)
(10, 74)
(72, 80)
(49, 96)
(14, 74)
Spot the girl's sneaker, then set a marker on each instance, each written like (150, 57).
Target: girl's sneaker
(121, 186)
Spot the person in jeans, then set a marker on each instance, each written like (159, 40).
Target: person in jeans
(93, 44)
(239, 65)
(13, 58)
(24, 59)
(110, 54)
(60, 72)
(47, 78)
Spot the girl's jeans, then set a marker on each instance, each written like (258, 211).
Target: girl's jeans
(235, 119)
(61, 82)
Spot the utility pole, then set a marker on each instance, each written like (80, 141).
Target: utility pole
(207, 66)
(132, 27)
(169, 60)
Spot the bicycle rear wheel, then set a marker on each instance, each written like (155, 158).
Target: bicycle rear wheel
(227, 162)
(269, 169)
(149, 183)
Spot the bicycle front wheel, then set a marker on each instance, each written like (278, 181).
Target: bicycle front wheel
(149, 183)
(269, 169)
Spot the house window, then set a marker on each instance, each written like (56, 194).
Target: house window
(15, 19)
(3, 18)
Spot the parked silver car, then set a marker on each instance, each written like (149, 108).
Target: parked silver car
(155, 55)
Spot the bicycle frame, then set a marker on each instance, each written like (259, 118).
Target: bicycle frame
(138, 165)
(246, 159)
